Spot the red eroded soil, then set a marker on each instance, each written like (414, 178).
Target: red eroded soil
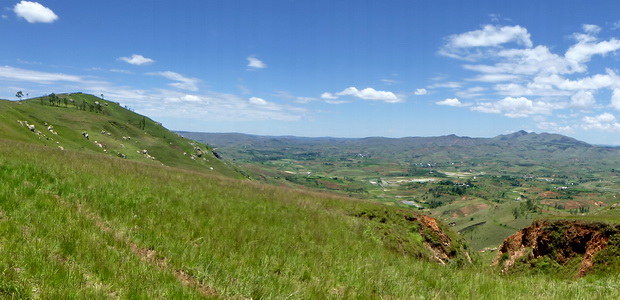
(560, 240)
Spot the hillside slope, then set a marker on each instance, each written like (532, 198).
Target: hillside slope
(84, 122)
(90, 226)
(78, 222)
(573, 247)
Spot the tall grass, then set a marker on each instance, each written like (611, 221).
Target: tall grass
(75, 225)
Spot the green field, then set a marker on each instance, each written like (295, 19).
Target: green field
(81, 223)
(487, 189)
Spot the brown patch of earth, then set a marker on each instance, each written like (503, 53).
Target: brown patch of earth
(470, 209)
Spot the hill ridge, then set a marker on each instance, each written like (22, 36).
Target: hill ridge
(83, 122)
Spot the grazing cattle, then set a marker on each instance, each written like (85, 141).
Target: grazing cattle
(85, 135)
(31, 127)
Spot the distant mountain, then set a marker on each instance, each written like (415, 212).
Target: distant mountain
(519, 148)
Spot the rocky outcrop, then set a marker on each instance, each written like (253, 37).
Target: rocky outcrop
(416, 235)
(558, 240)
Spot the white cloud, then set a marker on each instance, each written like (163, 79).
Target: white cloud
(365, 94)
(296, 99)
(451, 102)
(215, 106)
(368, 94)
(491, 35)
(258, 101)
(552, 126)
(587, 47)
(137, 59)
(255, 63)
(532, 80)
(583, 100)
(591, 29)
(156, 103)
(448, 85)
(390, 81)
(615, 99)
(120, 71)
(185, 83)
(17, 74)
(472, 92)
(604, 122)
(34, 12)
(458, 45)
(530, 61)
(420, 92)
(328, 96)
(495, 78)
(516, 107)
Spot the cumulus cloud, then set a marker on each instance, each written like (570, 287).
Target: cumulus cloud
(365, 94)
(603, 122)
(34, 12)
(420, 92)
(591, 29)
(183, 82)
(583, 100)
(137, 60)
(587, 46)
(516, 107)
(517, 79)
(328, 96)
(451, 102)
(459, 45)
(255, 63)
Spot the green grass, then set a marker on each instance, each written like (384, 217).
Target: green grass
(80, 225)
(83, 223)
(125, 134)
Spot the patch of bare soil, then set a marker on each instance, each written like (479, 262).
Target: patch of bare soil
(560, 240)
(147, 255)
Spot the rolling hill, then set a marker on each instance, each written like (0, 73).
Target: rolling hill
(82, 122)
(486, 188)
(83, 223)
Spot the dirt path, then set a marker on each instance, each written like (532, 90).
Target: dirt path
(147, 255)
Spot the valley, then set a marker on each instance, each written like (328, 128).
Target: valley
(486, 189)
(189, 216)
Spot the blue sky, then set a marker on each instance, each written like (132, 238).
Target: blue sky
(328, 68)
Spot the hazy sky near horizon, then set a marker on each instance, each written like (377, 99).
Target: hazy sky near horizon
(344, 68)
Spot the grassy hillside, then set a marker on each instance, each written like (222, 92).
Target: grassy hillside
(85, 225)
(80, 222)
(485, 188)
(60, 121)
